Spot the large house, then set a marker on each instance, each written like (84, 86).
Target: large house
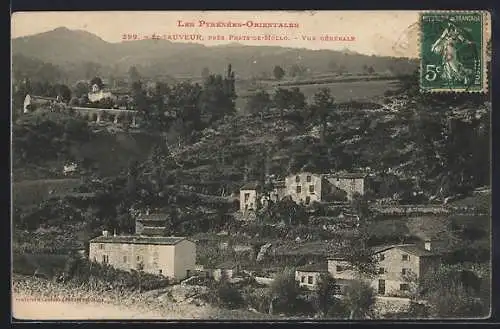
(96, 94)
(399, 268)
(351, 183)
(148, 249)
(173, 257)
(305, 188)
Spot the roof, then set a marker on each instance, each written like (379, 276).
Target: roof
(417, 251)
(318, 267)
(34, 97)
(250, 186)
(409, 248)
(153, 230)
(228, 265)
(348, 175)
(139, 239)
(152, 217)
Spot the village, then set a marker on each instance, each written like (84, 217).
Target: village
(335, 192)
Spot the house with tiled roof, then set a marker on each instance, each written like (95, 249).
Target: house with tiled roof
(249, 194)
(398, 267)
(308, 275)
(147, 250)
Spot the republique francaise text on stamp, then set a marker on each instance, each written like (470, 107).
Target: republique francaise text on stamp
(452, 52)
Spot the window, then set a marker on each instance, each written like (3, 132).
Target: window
(310, 279)
(138, 258)
(404, 271)
(339, 268)
(303, 279)
(308, 199)
(381, 270)
(308, 178)
(247, 196)
(406, 257)
(105, 259)
(403, 287)
(299, 189)
(159, 271)
(101, 246)
(297, 179)
(311, 188)
(382, 257)
(124, 259)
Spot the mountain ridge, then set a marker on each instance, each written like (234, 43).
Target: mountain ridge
(69, 48)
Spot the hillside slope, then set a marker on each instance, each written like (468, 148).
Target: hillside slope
(70, 48)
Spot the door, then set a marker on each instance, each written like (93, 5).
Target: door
(381, 287)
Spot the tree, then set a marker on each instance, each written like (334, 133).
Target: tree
(359, 299)
(451, 293)
(133, 75)
(205, 73)
(359, 255)
(228, 295)
(278, 72)
(360, 205)
(285, 292)
(260, 102)
(325, 294)
(63, 92)
(297, 70)
(321, 109)
(81, 88)
(217, 97)
(97, 81)
(285, 99)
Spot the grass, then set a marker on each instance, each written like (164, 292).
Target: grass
(46, 264)
(341, 91)
(35, 191)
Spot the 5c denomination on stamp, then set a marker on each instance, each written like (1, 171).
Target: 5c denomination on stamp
(452, 52)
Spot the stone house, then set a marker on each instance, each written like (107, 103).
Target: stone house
(250, 193)
(304, 187)
(351, 183)
(173, 257)
(308, 275)
(229, 269)
(398, 268)
(96, 94)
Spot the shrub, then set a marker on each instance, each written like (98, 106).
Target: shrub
(229, 296)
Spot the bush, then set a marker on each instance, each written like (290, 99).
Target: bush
(229, 296)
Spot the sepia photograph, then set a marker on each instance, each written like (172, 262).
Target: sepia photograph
(251, 165)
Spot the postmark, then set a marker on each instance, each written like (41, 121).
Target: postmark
(452, 52)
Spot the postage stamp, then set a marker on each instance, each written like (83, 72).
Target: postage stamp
(263, 166)
(453, 52)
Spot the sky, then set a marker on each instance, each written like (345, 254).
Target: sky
(383, 33)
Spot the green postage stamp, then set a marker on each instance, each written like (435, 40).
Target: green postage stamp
(452, 51)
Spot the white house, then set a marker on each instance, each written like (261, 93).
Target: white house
(173, 257)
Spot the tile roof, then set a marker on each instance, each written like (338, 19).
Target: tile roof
(347, 175)
(415, 250)
(153, 230)
(139, 239)
(250, 186)
(409, 248)
(317, 267)
(152, 217)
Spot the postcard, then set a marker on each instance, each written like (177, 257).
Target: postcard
(239, 165)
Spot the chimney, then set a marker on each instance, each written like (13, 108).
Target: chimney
(105, 233)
